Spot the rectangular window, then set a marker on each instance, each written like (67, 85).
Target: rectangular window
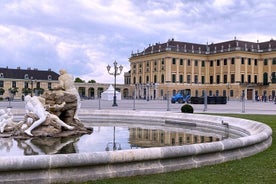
(162, 78)
(203, 63)
(38, 85)
(196, 62)
(173, 78)
(224, 79)
(1, 84)
(181, 62)
(232, 78)
(189, 62)
(211, 63)
(231, 93)
(181, 78)
(203, 79)
(265, 61)
(218, 79)
(155, 78)
(211, 79)
(242, 78)
(233, 61)
(218, 62)
(249, 78)
(196, 79)
(188, 79)
(163, 61)
(26, 84)
(14, 84)
(255, 79)
(173, 61)
(224, 93)
(225, 61)
(249, 61)
(242, 60)
(49, 85)
(274, 61)
(255, 62)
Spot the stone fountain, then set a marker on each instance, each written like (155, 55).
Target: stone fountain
(54, 114)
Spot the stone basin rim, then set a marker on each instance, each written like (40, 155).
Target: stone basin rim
(151, 160)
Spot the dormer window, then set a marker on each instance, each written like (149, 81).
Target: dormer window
(1, 75)
(26, 76)
(49, 77)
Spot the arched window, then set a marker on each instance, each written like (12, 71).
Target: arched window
(1, 75)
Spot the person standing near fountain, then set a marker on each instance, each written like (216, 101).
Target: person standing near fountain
(66, 83)
(34, 105)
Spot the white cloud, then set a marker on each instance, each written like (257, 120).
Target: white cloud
(83, 36)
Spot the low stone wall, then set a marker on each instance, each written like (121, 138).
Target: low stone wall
(250, 138)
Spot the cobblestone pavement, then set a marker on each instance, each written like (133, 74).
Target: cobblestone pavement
(235, 107)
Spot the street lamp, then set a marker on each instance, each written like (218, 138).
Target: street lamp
(115, 73)
(32, 85)
(115, 145)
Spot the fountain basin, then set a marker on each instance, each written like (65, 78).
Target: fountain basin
(247, 138)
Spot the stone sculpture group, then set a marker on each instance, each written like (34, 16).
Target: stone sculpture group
(54, 114)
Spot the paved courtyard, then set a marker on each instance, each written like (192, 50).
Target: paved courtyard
(237, 107)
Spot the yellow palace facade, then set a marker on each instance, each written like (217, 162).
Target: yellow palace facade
(232, 69)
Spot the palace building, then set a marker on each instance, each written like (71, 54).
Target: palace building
(15, 83)
(233, 69)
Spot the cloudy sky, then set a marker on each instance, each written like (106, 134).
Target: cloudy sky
(84, 36)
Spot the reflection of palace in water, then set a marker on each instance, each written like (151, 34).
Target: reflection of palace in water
(139, 137)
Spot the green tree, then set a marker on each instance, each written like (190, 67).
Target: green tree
(38, 91)
(13, 90)
(91, 81)
(79, 80)
(2, 91)
(26, 91)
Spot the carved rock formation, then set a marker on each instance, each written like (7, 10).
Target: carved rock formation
(60, 103)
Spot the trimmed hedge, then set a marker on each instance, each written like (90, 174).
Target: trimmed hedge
(187, 109)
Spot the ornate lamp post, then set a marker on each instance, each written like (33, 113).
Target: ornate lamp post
(115, 145)
(32, 85)
(117, 71)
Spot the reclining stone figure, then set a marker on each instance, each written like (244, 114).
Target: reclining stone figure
(35, 106)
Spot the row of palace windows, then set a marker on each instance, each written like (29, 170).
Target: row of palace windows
(225, 61)
(212, 62)
(26, 84)
(148, 64)
(212, 80)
